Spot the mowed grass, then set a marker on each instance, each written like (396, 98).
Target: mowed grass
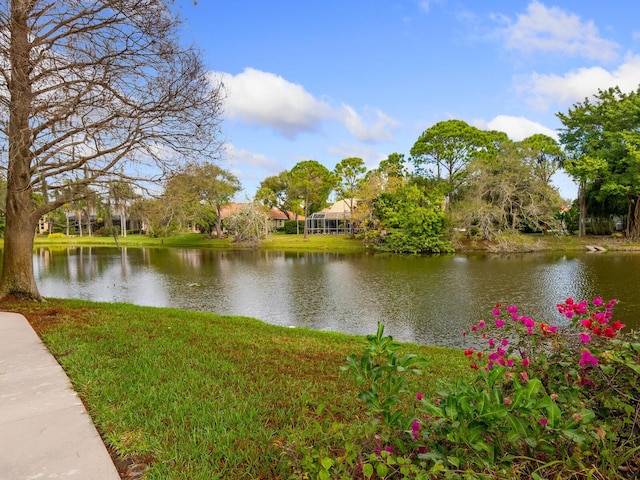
(202, 396)
(279, 242)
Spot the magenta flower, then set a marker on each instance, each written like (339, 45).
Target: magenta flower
(598, 301)
(512, 309)
(528, 322)
(587, 359)
(419, 396)
(525, 362)
(481, 324)
(543, 421)
(415, 429)
(524, 376)
(585, 337)
(499, 323)
(505, 342)
(496, 312)
(601, 317)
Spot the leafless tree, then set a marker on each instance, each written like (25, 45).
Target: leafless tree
(89, 90)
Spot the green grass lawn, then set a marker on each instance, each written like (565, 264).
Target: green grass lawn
(279, 242)
(202, 396)
(345, 244)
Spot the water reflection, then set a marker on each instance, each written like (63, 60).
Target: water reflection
(421, 299)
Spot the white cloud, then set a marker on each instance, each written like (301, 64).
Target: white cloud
(263, 98)
(266, 99)
(516, 128)
(551, 29)
(378, 127)
(248, 165)
(545, 91)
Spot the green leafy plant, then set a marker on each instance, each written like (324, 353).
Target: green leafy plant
(547, 401)
(379, 371)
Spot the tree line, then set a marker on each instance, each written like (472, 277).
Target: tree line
(102, 102)
(457, 178)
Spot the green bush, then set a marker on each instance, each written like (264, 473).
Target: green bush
(293, 227)
(546, 402)
(53, 236)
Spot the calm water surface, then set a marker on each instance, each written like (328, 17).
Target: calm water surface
(428, 300)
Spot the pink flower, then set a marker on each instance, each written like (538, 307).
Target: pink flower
(524, 376)
(543, 421)
(512, 309)
(597, 301)
(505, 342)
(419, 396)
(609, 306)
(481, 324)
(415, 429)
(585, 337)
(496, 312)
(499, 323)
(581, 307)
(587, 359)
(525, 362)
(601, 317)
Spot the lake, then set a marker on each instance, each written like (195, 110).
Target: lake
(421, 299)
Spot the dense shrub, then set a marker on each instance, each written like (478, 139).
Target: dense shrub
(293, 227)
(53, 236)
(547, 401)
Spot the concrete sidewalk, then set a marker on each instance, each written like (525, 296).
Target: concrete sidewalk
(45, 431)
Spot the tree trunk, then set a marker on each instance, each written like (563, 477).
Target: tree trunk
(633, 219)
(79, 221)
(582, 217)
(123, 220)
(21, 222)
(218, 221)
(17, 270)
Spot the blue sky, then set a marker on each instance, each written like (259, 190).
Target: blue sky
(330, 79)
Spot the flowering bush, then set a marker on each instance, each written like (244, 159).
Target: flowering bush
(546, 401)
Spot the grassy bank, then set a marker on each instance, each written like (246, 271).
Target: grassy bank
(279, 242)
(504, 243)
(202, 396)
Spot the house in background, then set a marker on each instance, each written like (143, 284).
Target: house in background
(335, 219)
(277, 217)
